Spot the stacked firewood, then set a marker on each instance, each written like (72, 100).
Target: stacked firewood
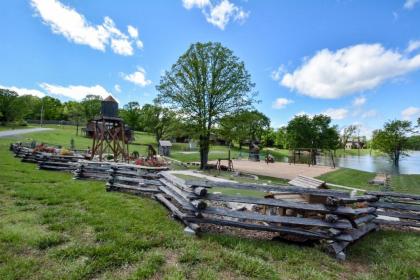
(397, 209)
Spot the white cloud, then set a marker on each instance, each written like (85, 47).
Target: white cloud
(336, 114)
(409, 4)
(219, 15)
(134, 33)
(122, 47)
(277, 74)
(74, 26)
(139, 44)
(117, 88)
(25, 91)
(75, 92)
(349, 70)
(410, 112)
(138, 77)
(369, 114)
(359, 101)
(189, 4)
(281, 103)
(413, 45)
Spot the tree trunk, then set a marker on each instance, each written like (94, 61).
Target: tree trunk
(204, 150)
(396, 158)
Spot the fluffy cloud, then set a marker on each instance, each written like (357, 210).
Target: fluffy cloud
(25, 91)
(189, 4)
(134, 33)
(68, 22)
(336, 114)
(75, 92)
(350, 70)
(277, 74)
(359, 101)
(117, 88)
(138, 77)
(413, 45)
(410, 112)
(219, 15)
(281, 103)
(409, 4)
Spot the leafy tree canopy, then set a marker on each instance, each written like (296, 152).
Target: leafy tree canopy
(393, 139)
(205, 84)
(316, 133)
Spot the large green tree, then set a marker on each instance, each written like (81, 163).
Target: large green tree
(393, 139)
(91, 105)
(52, 109)
(131, 114)
(73, 111)
(281, 138)
(312, 133)
(205, 84)
(13, 107)
(244, 125)
(157, 120)
(8, 100)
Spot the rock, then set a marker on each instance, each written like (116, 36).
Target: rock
(189, 231)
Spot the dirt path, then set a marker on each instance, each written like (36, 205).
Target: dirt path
(279, 169)
(14, 132)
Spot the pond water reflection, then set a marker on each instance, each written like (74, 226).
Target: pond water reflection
(408, 165)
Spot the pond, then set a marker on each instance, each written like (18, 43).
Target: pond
(408, 165)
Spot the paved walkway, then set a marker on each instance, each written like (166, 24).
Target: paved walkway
(14, 132)
(279, 169)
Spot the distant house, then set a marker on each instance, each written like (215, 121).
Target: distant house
(354, 145)
(165, 148)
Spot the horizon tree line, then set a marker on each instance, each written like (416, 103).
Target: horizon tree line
(208, 91)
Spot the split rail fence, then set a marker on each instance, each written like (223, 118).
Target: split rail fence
(334, 217)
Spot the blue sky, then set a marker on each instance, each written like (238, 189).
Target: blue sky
(357, 61)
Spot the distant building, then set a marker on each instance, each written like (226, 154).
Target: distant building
(354, 145)
(165, 147)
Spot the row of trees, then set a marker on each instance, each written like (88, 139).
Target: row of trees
(207, 91)
(15, 108)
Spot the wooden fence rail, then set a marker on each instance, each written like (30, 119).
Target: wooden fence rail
(397, 209)
(333, 217)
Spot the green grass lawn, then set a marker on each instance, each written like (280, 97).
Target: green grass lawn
(54, 227)
(360, 179)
